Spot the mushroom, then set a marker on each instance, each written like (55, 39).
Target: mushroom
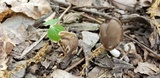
(111, 35)
(68, 42)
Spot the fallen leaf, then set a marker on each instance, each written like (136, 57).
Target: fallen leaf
(6, 46)
(62, 74)
(83, 26)
(120, 67)
(4, 11)
(81, 3)
(154, 76)
(146, 68)
(103, 3)
(30, 76)
(125, 5)
(45, 63)
(145, 3)
(71, 17)
(20, 72)
(134, 57)
(16, 29)
(32, 8)
(98, 72)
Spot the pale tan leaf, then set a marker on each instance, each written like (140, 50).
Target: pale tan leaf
(71, 17)
(32, 8)
(81, 2)
(62, 74)
(146, 68)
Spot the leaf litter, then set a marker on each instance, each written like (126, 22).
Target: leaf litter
(25, 51)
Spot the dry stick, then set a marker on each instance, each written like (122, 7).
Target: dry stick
(97, 7)
(74, 65)
(151, 51)
(85, 10)
(64, 12)
(85, 15)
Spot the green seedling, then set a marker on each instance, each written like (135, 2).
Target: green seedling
(54, 29)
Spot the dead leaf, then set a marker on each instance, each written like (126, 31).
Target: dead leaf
(103, 60)
(103, 3)
(18, 73)
(45, 63)
(83, 26)
(146, 68)
(145, 3)
(81, 3)
(120, 67)
(154, 76)
(71, 17)
(132, 54)
(62, 74)
(16, 29)
(4, 11)
(125, 5)
(32, 8)
(98, 72)
(6, 46)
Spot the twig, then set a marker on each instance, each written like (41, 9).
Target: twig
(64, 12)
(97, 7)
(85, 15)
(85, 10)
(97, 13)
(151, 51)
(74, 65)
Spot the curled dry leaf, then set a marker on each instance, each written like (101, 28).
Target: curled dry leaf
(71, 17)
(145, 3)
(4, 11)
(111, 34)
(68, 42)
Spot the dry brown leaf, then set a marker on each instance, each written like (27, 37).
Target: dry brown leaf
(104, 3)
(98, 72)
(71, 17)
(62, 74)
(125, 5)
(146, 68)
(145, 3)
(132, 54)
(83, 26)
(16, 29)
(4, 11)
(32, 8)
(81, 3)
(6, 46)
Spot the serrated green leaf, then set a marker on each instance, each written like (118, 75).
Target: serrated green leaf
(51, 22)
(53, 32)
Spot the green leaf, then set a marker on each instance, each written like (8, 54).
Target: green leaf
(51, 22)
(53, 32)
